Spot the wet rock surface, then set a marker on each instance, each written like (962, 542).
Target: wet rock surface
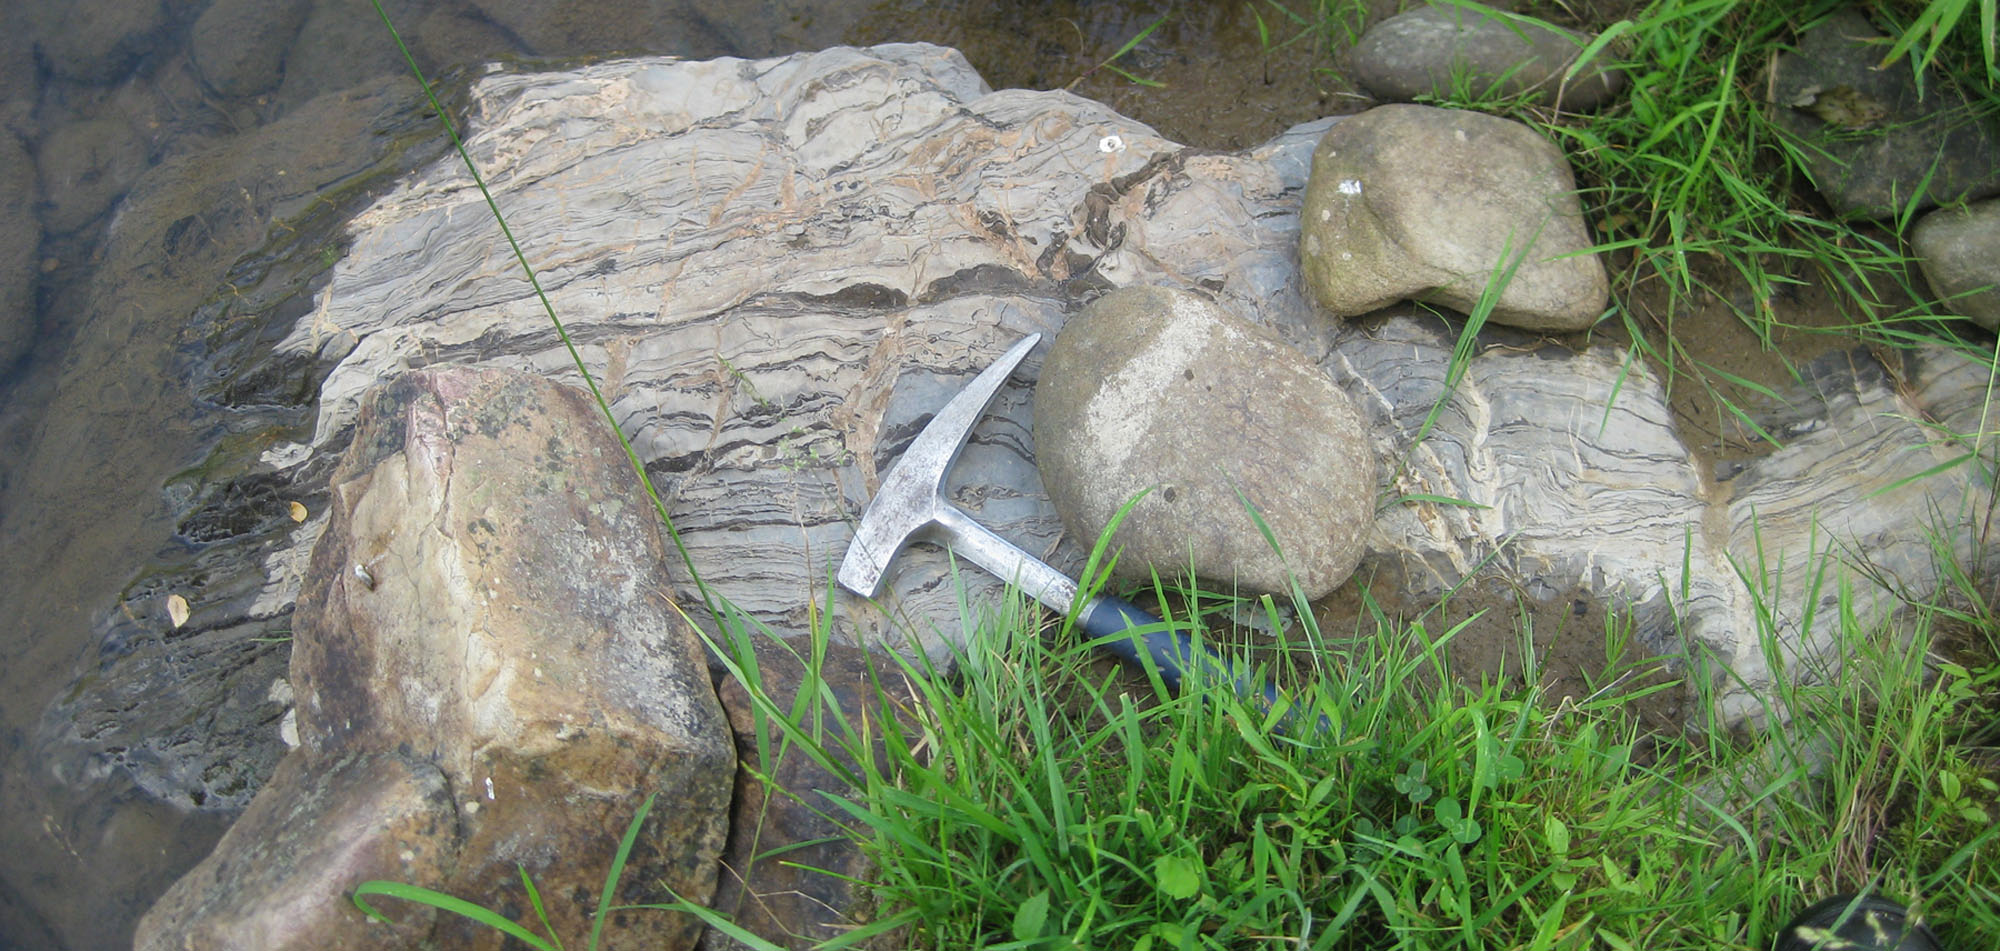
(1870, 141)
(767, 399)
(1159, 391)
(1419, 203)
(1959, 250)
(1445, 50)
(485, 602)
(161, 732)
(278, 878)
(606, 26)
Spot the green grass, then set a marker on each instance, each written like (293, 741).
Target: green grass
(1692, 186)
(1034, 801)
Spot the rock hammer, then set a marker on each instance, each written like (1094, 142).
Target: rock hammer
(911, 506)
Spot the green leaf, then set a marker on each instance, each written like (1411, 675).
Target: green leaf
(1557, 834)
(1179, 876)
(1031, 916)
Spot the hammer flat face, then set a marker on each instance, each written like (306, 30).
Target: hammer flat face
(912, 494)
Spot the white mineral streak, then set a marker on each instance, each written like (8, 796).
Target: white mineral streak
(1163, 358)
(779, 269)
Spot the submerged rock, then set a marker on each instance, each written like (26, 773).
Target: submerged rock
(1959, 251)
(238, 46)
(1873, 145)
(1223, 426)
(484, 602)
(1413, 202)
(1446, 51)
(86, 166)
(168, 730)
(102, 41)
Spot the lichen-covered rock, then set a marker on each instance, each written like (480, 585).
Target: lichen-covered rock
(1419, 203)
(486, 595)
(1959, 251)
(1156, 390)
(1446, 50)
(1869, 140)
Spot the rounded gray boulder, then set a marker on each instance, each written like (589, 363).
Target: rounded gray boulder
(1428, 204)
(1452, 51)
(1959, 251)
(1152, 388)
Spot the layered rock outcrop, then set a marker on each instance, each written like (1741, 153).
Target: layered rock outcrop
(778, 270)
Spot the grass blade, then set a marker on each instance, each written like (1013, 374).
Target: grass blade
(444, 902)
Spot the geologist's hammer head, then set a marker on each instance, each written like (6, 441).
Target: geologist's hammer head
(913, 491)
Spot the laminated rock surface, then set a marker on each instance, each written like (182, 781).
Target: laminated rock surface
(778, 270)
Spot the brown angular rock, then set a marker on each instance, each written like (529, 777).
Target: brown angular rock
(279, 877)
(487, 596)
